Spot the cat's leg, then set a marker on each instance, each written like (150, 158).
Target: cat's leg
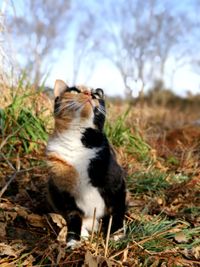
(118, 219)
(117, 208)
(117, 222)
(117, 227)
(88, 225)
(118, 213)
(63, 203)
(74, 223)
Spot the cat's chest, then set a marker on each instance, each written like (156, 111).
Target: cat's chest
(71, 149)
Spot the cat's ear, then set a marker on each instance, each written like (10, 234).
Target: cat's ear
(59, 87)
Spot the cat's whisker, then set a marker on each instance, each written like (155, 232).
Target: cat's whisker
(101, 111)
(68, 103)
(73, 105)
(102, 107)
(70, 106)
(57, 111)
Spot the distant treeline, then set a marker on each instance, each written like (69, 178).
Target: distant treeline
(161, 96)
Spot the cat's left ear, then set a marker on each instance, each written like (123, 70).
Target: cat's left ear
(59, 87)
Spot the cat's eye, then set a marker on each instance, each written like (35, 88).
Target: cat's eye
(98, 93)
(74, 90)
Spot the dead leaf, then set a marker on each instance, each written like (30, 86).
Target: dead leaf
(163, 264)
(61, 253)
(58, 219)
(96, 261)
(125, 255)
(196, 252)
(36, 220)
(10, 215)
(159, 200)
(6, 250)
(62, 234)
(22, 212)
(28, 261)
(180, 237)
(2, 229)
(5, 264)
(90, 260)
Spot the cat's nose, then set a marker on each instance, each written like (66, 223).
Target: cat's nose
(87, 93)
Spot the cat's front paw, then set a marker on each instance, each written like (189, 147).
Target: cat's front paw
(120, 234)
(117, 237)
(72, 244)
(84, 233)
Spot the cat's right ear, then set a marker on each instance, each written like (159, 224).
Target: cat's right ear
(59, 87)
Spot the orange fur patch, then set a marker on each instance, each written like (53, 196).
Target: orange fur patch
(62, 123)
(86, 111)
(64, 175)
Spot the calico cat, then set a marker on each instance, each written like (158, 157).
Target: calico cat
(84, 173)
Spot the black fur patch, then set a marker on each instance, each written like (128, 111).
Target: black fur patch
(106, 174)
(65, 204)
(92, 138)
(73, 88)
(99, 118)
(108, 177)
(56, 104)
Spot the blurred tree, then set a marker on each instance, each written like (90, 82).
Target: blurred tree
(6, 61)
(139, 37)
(194, 37)
(39, 28)
(84, 42)
(159, 94)
(2, 49)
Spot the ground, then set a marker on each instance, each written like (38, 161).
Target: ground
(159, 148)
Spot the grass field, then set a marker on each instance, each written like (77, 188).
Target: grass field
(159, 148)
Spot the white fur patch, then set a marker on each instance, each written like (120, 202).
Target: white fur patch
(87, 225)
(120, 233)
(73, 244)
(86, 228)
(69, 147)
(84, 233)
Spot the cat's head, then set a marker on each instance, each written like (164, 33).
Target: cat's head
(79, 103)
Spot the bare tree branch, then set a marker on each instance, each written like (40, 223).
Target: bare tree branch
(40, 29)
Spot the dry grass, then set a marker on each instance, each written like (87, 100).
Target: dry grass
(159, 149)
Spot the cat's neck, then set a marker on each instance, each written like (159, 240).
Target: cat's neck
(75, 124)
